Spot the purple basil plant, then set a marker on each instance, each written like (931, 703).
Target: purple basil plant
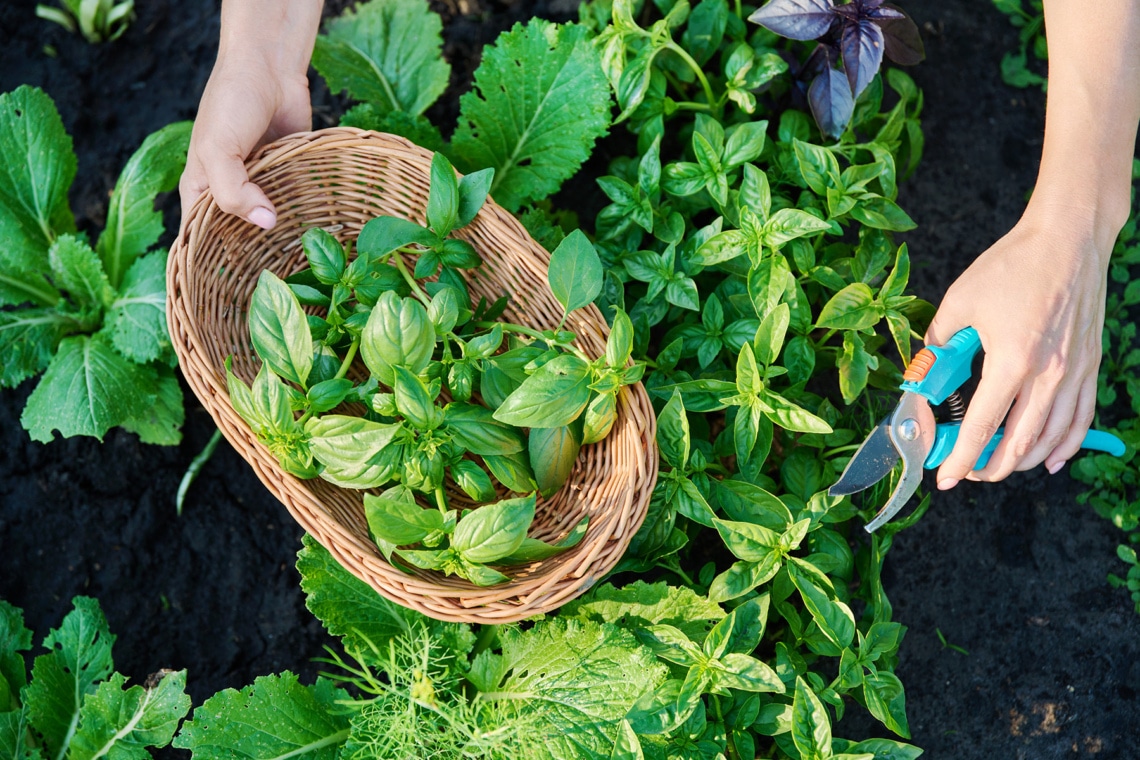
(853, 37)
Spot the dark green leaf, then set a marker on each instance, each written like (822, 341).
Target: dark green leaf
(385, 53)
(133, 225)
(88, 388)
(473, 189)
(539, 102)
(811, 728)
(385, 234)
(443, 197)
(400, 520)
(476, 429)
(473, 480)
(79, 656)
(553, 452)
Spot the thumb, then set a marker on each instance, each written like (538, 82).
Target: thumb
(945, 324)
(235, 194)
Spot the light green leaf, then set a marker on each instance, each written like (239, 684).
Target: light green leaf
(533, 550)
(133, 224)
(575, 272)
(350, 447)
(161, 423)
(789, 224)
(673, 432)
(791, 417)
(37, 166)
(811, 727)
(88, 388)
(387, 53)
(349, 608)
(883, 692)
(640, 604)
(818, 167)
(119, 724)
(278, 329)
(552, 397)
(274, 718)
(79, 656)
(854, 366)
(138, 314)
(853, 308)
(493, 531)
(77, 269)
(475, 428)
(540, 101)
(398, 332)
(882, 213)
(28, 338)
(833, 617)
(400, 521)
(578, 679)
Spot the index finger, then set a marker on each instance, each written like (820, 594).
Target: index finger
(991, 402)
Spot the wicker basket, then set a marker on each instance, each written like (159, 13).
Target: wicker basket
(338, 179)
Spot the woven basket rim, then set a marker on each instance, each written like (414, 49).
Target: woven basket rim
(198, 317)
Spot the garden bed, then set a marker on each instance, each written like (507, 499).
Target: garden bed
(1012, 573)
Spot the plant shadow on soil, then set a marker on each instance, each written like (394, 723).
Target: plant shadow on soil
(1013, 573)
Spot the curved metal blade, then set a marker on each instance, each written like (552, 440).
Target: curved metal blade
(872, 462)
(912, 432)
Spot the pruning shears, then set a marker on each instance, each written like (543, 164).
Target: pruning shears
(910, 432)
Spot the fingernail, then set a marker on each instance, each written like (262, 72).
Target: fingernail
(263, 218)
(947, 483)
(1056, 467)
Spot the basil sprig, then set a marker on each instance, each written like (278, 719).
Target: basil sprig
(454, 399)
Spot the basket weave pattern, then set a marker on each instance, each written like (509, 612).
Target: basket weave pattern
(339, 179)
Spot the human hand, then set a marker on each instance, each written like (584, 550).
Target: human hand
(245, 105)
(258, 91)
(1036, 298)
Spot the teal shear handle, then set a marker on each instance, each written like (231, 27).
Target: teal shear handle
(938, 371)
(947, 435)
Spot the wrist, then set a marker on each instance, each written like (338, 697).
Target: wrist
(274, 36)
(1094, 212)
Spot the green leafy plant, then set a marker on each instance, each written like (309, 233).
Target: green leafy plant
(1029, 18)
(418, 339)
(97, 20)
(92, 319)
(73, 705)
(765, 295)
(538, 105)
(409, 686)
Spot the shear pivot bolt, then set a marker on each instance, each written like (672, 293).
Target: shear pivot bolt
(908, 429)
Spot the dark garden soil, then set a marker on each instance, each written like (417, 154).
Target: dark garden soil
(1013, 573)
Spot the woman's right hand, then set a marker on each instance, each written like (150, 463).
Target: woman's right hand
(258, 91)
